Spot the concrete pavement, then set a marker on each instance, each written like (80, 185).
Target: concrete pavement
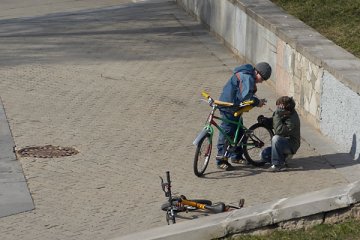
(122, 85)
(14, 194)
(17, 8)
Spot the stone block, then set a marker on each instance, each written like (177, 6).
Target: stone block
(337, 216)
(355, 211)
(302, 223)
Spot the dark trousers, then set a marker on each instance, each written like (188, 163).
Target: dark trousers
(230, 129)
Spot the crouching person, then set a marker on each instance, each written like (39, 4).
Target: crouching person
(286, 141)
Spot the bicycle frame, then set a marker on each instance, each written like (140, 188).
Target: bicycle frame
(208, 129)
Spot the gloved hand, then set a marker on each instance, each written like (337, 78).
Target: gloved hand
(261, 119)
(268, 122)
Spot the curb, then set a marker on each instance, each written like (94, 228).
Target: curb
(252, 218)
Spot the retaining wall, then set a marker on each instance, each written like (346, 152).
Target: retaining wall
(322, 77)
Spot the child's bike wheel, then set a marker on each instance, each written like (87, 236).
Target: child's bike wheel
(255, 142)
(202, 155)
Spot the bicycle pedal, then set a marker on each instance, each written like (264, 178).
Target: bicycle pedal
(231, 149)
(248, 131)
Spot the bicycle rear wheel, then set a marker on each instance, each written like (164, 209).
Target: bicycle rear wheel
(255, 141)
(202, 155)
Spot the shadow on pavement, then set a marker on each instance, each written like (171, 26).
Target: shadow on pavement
(120, 34)
(330, 161)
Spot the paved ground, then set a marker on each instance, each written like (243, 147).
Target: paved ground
(122, 85)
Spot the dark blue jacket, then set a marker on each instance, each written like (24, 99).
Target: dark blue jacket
(231, 91)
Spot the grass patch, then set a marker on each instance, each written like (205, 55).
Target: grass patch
(348, 230)
(337, 20)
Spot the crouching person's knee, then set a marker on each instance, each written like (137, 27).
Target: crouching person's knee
(275, 139)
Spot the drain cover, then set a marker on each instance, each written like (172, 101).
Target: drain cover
(47, 151)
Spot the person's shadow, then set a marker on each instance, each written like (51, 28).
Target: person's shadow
(353, 148)
(329, 161)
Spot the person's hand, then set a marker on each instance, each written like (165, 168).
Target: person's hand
(280, 106)
(262, 102)
(268, 122)
(282, 113)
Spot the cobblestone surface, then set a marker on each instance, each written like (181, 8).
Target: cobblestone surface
(122, 85)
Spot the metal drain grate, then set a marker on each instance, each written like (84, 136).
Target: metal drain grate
(47, 151)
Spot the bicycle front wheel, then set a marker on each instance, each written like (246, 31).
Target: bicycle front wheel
(202, 155)
(258, 138)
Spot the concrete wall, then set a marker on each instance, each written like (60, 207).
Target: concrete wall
(322, 77)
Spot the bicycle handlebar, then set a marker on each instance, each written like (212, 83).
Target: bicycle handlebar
(205, 94)
(245, 106)
(211, 101)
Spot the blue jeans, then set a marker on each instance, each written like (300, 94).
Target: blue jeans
(229, 129)
(277, 153)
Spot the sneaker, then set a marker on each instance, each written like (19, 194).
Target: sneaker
(225, 165)
(219, 158)
(277, 168)
(239, 161)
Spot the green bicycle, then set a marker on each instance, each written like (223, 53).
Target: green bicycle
(253, 140)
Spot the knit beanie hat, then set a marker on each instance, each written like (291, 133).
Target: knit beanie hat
(264, 70)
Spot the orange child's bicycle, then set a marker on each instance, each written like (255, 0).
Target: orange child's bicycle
(253, 140)
(176, 204)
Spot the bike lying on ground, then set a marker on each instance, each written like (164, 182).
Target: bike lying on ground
(253, 140)
(180, 203)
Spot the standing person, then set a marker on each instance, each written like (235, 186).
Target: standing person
(286, 141)
(241, 86)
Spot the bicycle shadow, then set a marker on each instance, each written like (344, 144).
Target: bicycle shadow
(318, 162)
(193, 214)
(239, 171)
